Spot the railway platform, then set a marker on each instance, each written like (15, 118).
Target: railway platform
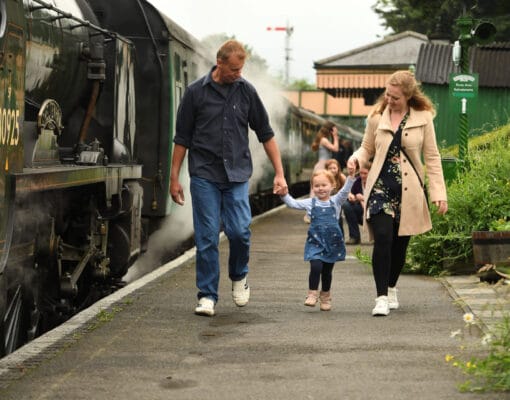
(144, 341)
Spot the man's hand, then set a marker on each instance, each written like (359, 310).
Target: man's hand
(280, 186)
(176, 192)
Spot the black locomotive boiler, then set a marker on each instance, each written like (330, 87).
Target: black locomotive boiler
(88, 95)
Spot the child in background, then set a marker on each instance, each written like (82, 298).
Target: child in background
(324, 244)
(333, 166)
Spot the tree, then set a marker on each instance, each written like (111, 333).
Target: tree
(436, 18)
(301, 84)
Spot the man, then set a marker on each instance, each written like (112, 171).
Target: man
(353, 208)
(212, 123)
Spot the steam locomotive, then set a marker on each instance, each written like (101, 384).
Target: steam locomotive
(89, 92)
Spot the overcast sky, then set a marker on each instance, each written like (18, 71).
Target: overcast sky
(321, 28)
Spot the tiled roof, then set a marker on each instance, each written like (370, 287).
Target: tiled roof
(393, 51)
(363, 72)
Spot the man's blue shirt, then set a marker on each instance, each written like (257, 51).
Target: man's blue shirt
(212, 123)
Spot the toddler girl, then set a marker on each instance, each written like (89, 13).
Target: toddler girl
(324, 244)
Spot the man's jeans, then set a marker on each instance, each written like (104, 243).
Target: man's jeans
(214, 203)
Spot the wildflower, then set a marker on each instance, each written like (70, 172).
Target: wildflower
(455, 333)
(448, 358)
(486, 339)
(469, 318)
(469, 365)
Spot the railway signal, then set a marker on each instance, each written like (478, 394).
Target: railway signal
(288, 30)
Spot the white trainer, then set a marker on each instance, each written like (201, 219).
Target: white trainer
(240, 292)
(381, 306)
(205, 307)
(392, 298)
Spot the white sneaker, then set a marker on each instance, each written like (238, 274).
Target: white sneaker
(205, 307)
(240, 292)
(381, 306)
(392, 298)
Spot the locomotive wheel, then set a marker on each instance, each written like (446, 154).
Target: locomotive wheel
(118, 250)
(11, 314)
(20, 313)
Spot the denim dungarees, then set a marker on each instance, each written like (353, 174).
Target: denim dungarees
(325, 241)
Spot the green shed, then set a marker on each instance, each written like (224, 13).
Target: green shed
(490, 108)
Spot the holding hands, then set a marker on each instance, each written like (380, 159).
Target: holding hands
(352, 163)
(280, 186)
(352, 166)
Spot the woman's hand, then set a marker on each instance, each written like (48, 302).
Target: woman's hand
(352, 162)
(442, 206)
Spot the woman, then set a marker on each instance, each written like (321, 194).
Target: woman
(326, 143)
(399, 133)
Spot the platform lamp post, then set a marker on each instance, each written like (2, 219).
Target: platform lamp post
(288, 32)
(472, 31)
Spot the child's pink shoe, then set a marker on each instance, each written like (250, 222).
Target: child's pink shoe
(325, 299)
(311, 298)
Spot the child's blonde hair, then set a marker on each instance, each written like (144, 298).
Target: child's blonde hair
(326, 173)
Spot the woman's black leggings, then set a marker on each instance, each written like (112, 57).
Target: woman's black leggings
(389, 255)
(320, 269)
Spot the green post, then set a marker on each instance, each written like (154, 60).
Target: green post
(471, 31)
(465, 25)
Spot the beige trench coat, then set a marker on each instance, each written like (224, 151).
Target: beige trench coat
(418, 140)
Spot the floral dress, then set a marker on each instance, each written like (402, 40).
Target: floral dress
(386, 195)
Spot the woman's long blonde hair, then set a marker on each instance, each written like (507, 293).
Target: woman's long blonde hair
(410, 87)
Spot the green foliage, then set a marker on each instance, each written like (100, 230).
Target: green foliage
(104, 316)
(480, 142)
(500, 225)
(433, 254)
(436, 18)
(301, 84)
(489, 371)
(363, 257)
(477, 199)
